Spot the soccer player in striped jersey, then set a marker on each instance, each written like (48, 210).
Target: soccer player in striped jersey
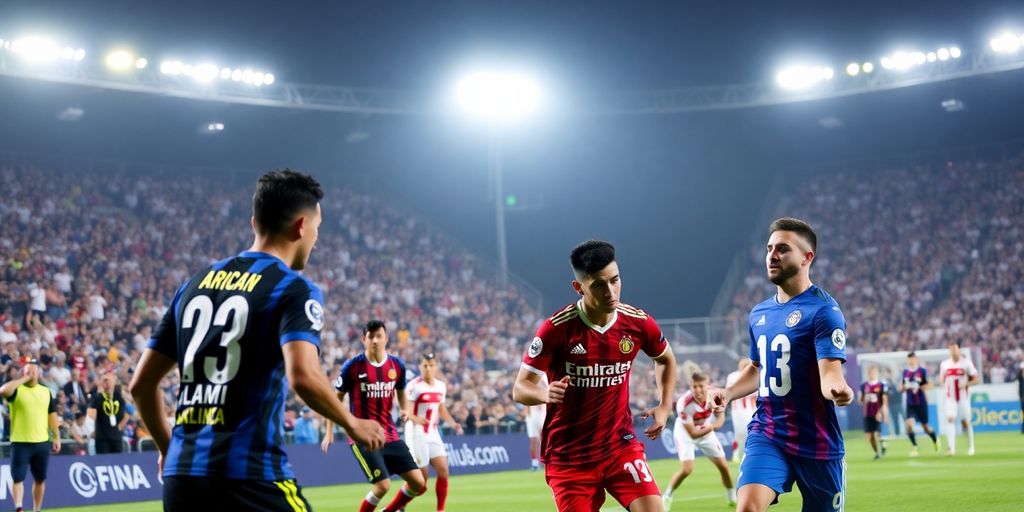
(874, 394)
(797, 348)
(914, 384)
(426, 398)
(235, 331)
(586, 351)
(957, 374)
(372, 381)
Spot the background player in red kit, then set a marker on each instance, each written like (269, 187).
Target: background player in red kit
(586, 351)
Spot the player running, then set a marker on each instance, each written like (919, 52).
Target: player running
(957, 374)
(742, 410)
(535, 415)
(874, 394)
(797, 348)
(695, 428)
(235, 331)
(426, 395)
(586, 351)
(914, 383)
(372, 380)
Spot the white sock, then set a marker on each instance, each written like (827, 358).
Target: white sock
(731, 493)
(970, 436)
(668, 493)
(951, 437)
(535, 463)
(372, 499)
(407, 492)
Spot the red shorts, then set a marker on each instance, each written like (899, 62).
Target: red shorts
(580, 488)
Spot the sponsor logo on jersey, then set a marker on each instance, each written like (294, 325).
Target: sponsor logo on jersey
(578, 349)
(626, 345)
(536, 346)
(315, 313)
(794, 318)
(597, 375)
(839, 339)
(760, 322)
(392, 374)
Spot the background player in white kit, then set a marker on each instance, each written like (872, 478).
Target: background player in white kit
(742, 409)
(957, 374)
(695, 428)
(535, 415)
(426, 397)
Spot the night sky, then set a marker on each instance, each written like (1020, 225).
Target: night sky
(679, 194)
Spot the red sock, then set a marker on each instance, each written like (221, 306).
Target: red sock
(442, 492)
(401, 500)
(367, 507)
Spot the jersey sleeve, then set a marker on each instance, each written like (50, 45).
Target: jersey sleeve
(165, 337)
(830, 333)
(754, 355)
(541, 350)
(52, 408)
(343, 384)
(302, 313)
(655, 342)
(924, 376)
(971, 370)
(401, 383)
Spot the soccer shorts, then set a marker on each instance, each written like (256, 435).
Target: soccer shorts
(821, 482)
(424, 447)
(958, 409)
(918, 412)
(393, 459)
(709, 445)
(192, 493)
(625, 475)
(534, 424)
(871, 424)
(34, 456)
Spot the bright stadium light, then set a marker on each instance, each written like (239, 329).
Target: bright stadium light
(79, 54)
(236, 75)
(932, 57)
(954, 51)
(119, 60)
(1005, 43)
(802, 77)
(68, 53)
(171, 67)
(268, 78)
(867, 67)
(36, 49)
(225, 73)
(942, 54)
(141, 63)
(205, 72)
(498, 96)
(853, 69)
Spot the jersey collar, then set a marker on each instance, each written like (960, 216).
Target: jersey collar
(258, 254)
(600, 329)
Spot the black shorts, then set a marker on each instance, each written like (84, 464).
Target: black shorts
(918, 412)
(872, 425)
(393, 459)
(109, 446)
(30, 455)
(192, 493)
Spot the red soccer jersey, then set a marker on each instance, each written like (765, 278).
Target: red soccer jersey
(371, 390)
(873, 391)
(593, 421)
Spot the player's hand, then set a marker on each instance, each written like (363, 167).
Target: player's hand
(556, 390)
(660, 414)
(160, 464)
(367, 433)
(56, 445)
(878, 417)
(841, 394)
(457, 428)
(327, 442)
(717, 398)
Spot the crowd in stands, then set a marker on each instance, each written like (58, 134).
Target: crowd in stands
(918, 258)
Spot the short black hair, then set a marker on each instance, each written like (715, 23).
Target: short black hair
(427, 356)
(698, 377)
(280, 196)
(373, 325)
(911, 354)
(591, 256)
(800, 227)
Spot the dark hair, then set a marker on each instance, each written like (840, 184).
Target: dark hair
(911, 354)
(427, 356)
(280, 197)
(797, 226)
(373, 325)
(698, 377)
(591, 256)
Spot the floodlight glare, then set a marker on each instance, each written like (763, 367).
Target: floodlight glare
(68, 53)
(141, 63)
(932, 57)
(225, 73)
(268, 78)
(943, 54)
(247, 76)
(236, 75)
(853, 69)
(867, 67)
(171, 67)
(36, 49)
(119, 60)
(802, 77)
(954, 51)
(79, 54)
(1005, 43)
(498, 95)
(205, 72)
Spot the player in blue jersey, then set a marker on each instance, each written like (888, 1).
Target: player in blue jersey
(915, 383)
(235, 330)
(797, 348)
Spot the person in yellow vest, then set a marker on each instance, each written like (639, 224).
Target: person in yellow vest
(33, 417)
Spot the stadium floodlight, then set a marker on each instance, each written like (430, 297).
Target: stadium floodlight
(867, 67)
(498, 96)
(943, 54)
(205, 73)
(268, 78)
(236, 75)
(1005, 43)
(247, 76)
(141, 63)
(954, 51)
(119, 60)
(36, 49)
(172, 67)
(802, 77)
(68, 53)
(853, 69)
(79, 54)
(225, 73)
(932, 57)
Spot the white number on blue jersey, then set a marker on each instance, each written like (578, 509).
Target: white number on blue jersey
(779, 386)
(199, 312)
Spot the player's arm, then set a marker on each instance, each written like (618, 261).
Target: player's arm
(694, 430)
(975, 376)
(833, 383)
(830, 349)
(925, 383)
(449, 419)
(302, 366)
(54, 423)
(329, 426)
(9, 387)
(665, 376)
(145, 389)
(862, 396)
(745, 384)
(884, 411)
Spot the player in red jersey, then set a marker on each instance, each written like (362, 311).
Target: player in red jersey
(586, 351)
(372, 380)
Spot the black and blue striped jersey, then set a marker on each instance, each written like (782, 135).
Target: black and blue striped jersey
(225, 328)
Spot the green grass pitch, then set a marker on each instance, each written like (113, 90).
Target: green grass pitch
(992, 480)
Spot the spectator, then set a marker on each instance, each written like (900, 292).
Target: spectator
(81, 432)
(307, 428)
(107, 409)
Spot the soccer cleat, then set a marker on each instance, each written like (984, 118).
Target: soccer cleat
(936, 443)
(970, 451)
(667, 502)
(950, 453)
(913, 452)
(877, 456)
